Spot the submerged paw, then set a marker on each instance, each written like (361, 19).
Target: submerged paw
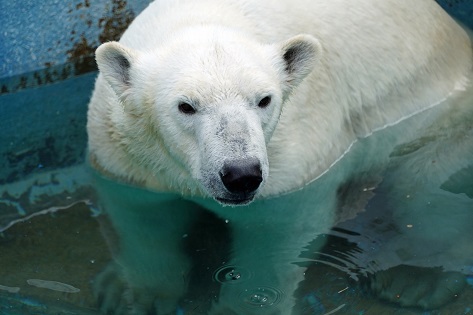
(116, 296)
(410, 286)
(108, 288)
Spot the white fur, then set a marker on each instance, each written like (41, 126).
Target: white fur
(226, 55)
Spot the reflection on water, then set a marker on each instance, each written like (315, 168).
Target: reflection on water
(392, 220)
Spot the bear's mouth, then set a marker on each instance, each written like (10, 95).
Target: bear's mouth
(236, 201)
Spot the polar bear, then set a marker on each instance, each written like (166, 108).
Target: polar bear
(234, 103)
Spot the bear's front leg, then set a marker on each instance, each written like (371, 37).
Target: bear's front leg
(118, 292)
(146, 232)
(411, 286)
(265, 268)
(261, 276)
(426, 262)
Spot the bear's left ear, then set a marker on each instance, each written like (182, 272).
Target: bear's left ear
(115, 61)
(300, 54)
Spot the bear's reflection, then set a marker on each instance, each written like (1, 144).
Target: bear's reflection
(247, 260)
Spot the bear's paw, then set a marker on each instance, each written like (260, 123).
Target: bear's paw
(421, 287)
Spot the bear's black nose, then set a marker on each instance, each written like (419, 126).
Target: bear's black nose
(241, 176)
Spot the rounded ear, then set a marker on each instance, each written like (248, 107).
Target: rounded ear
(300, 54)
(115, 61)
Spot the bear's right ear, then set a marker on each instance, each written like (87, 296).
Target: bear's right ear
(115, 61)
(300, 54)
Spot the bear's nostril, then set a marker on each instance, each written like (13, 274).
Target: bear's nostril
(242, 176)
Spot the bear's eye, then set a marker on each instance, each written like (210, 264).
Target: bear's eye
(264, 102)
(186, 108)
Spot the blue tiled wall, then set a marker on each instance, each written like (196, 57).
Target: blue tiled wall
(50, 40)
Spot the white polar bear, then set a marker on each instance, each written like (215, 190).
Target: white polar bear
(245, 100)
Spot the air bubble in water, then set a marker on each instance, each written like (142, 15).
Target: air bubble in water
(231, 274)
(261, 297)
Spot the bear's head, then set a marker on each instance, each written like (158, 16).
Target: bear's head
(199, 110)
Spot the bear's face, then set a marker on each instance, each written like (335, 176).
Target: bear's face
(203, 108)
